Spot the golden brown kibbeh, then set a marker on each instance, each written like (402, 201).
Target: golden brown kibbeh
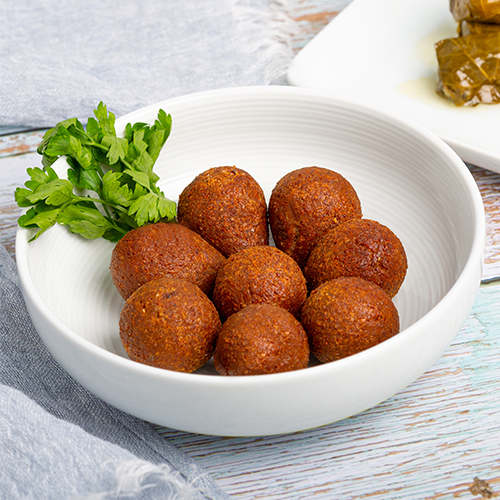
(346, 316)
(261, 339)
(257, 275)
(227, 207)
(163, 249)
(169, 323)
(305, 204)
(360, 247)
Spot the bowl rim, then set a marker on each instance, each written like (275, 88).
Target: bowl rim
(469, 271)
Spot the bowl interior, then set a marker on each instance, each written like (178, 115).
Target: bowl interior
(408, 181)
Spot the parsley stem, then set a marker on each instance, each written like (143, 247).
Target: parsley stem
(105, 203)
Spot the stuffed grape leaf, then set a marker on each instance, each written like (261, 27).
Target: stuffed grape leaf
(484, 11)
(469, 69)
(473, 28)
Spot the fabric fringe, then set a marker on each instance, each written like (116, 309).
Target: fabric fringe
(269, 33)
(142, 479)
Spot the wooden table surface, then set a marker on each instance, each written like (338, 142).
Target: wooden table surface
(437, 439)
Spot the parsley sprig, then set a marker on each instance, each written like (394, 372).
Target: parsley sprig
(110, 188)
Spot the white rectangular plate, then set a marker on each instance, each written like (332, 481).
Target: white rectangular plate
(383, 52)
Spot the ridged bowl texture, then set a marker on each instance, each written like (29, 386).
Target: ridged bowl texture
(406, 178)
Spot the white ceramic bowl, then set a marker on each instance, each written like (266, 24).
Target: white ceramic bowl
(405, 177)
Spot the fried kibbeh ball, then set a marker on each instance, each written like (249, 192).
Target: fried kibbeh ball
(261, 274)
(169, 323)
(305, 204)
(359, 247)
(227, 207)
(346, 316)
(163, 249)
(261, 339)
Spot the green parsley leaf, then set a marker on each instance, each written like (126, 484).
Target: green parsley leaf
(106, 120)
(110, 188)
(40, 217)
(116, 192)
(140, 178)
(83, 179)
(56, 192)
(160, 134)
(86, 221)
(118, 147)
(151, 207)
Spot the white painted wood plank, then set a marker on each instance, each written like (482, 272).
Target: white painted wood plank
(489, 186)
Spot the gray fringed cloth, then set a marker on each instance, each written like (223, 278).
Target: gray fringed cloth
(59, 58)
